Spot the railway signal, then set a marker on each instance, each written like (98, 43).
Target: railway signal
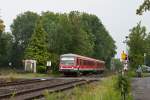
(124, 56)
(124, 59)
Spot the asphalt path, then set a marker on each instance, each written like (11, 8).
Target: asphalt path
(141, 88)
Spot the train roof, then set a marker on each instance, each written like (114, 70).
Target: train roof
(76, 55)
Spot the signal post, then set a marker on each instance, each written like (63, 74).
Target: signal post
(124, 59)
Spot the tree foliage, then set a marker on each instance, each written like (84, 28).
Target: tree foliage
(2, 26)
(6, 40)
(137, 45)
(147, 53)
(78, 33)
(22, 29)
(81, 43)
(37, 48)
(117, 64)
(74, 32)
(144, 7)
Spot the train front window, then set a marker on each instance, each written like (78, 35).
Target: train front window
(67, 60)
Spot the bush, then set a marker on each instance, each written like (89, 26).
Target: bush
(132, 73)
(41, 69)
(123, 85)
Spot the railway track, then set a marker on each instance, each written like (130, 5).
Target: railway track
(24, 81)
(30, 90)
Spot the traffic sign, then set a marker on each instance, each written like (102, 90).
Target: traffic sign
(124, 56)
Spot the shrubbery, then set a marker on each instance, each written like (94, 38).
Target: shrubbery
(41, 69)
(123, 85)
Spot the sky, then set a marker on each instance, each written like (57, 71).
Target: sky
(118, 16)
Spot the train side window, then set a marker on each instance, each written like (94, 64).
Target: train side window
(99, 64)
(88, 63)
(81, 62)
(77, 61)
(91, 63)
(84, 62)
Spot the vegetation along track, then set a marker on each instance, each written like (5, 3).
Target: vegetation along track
(33, 90)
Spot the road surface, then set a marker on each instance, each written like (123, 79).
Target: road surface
(141, 88)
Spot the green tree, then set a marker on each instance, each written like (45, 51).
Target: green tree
(2, 26)
(80, 39)
(147, 58)
(102, 43)
(75, 32)
(59, 38)
(22, 29)
(117, 64)
(79, 33)
(144, 7)
(37, 49)
(58, 28)
(137, 45)
(6, 41)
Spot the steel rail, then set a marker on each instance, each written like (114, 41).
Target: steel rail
(22, 82)
(52, 88)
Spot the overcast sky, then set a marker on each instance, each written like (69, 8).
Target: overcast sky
(118, 16)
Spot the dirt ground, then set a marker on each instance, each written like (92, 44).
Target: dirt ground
(141, 88)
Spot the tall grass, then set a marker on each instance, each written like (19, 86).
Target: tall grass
(12, 74)
(105, 90)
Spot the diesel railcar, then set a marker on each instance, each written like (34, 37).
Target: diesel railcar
(73, 63)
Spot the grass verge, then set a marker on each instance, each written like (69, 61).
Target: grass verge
(133, 74)
(12, 74)
(104, 90)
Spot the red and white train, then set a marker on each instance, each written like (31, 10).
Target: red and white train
(73, 63)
